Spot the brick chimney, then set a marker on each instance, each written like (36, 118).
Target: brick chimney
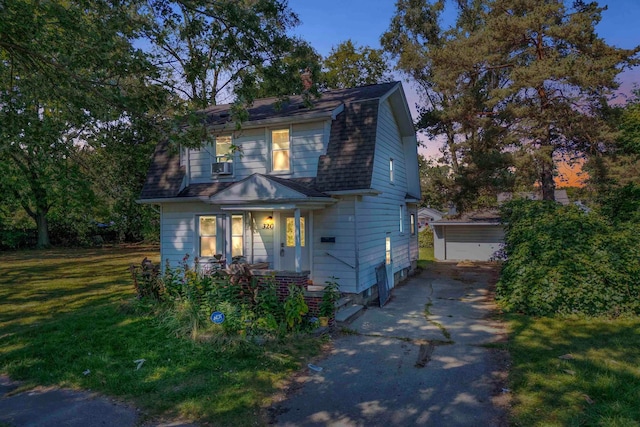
(307, 82)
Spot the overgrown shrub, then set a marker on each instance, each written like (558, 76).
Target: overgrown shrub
(187, 296)
(563, 261)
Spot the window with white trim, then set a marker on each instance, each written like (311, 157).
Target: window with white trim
(412, 223)
(391, 170)
(223, 149)
(280, 150)
(401, 219)
(207, 235)
(237, 235)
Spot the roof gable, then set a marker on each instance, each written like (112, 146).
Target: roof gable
(257, 188)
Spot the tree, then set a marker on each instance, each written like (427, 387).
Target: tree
(349, 65)
(456, 108)
(436, 183)
(619, 165)
(66, 71)
(535, 75)
(227, 50)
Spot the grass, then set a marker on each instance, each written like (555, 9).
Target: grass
(595, 383)
(425, 257)
(69, 318)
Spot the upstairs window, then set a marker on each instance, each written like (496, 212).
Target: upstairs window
(280, 150)
(223, 149)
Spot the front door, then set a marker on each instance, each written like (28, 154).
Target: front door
(288, 243)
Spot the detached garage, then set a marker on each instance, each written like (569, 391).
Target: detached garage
(475, 236)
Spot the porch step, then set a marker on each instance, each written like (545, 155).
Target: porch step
(348, 314)
(342, 302)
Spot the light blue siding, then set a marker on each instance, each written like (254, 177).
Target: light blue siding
(379, 216)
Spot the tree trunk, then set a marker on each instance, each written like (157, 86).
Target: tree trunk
(547, 183)
(43, 229)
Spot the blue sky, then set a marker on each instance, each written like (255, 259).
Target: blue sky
(326, 23)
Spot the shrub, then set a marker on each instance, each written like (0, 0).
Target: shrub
(187, 296)
(425, 238)
(562, 261)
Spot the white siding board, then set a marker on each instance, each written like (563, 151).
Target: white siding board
(307, 144)
(335, 221)
(381, 214)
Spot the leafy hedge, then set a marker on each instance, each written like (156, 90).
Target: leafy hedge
(563, 261)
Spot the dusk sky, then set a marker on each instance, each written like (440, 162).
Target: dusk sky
(326, 23)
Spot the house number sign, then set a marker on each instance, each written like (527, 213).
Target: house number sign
(266, 226)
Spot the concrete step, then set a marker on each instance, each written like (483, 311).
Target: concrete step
(342, 302)
(348, 314)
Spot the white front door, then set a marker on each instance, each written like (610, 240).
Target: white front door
(287, 252)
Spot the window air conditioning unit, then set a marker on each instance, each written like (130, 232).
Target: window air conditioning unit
(222, 168)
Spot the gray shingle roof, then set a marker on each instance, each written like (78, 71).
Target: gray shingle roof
(348, 164)
(165, 175)
(271, 108)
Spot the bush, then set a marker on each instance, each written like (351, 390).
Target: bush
(425, 238)
(186, 297)
(563, 261)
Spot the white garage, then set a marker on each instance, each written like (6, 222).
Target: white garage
(474, 237)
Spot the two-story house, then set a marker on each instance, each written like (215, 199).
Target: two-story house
(329, 190)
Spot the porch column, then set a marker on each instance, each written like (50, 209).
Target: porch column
(297, 240)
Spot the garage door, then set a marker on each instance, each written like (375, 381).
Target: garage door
(476, 243)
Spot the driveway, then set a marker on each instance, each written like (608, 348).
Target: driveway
(420, 360)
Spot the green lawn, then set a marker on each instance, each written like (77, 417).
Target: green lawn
(69, 318)
(575, 372)
(425, 257)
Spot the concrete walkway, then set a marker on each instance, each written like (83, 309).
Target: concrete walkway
(400, 367)
(55, 407)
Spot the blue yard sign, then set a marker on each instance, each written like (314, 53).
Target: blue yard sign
(217, 317)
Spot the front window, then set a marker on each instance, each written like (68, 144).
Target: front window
(237, 235)
(291, 232)
(223, 149)
(412, 224)
(208, 242)
(401, 219)
(280, 150)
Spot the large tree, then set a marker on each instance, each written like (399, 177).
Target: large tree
(227, 50)
(349, 65)
(533, 73)
(67, 70)
(619, 165)
(455, 108)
